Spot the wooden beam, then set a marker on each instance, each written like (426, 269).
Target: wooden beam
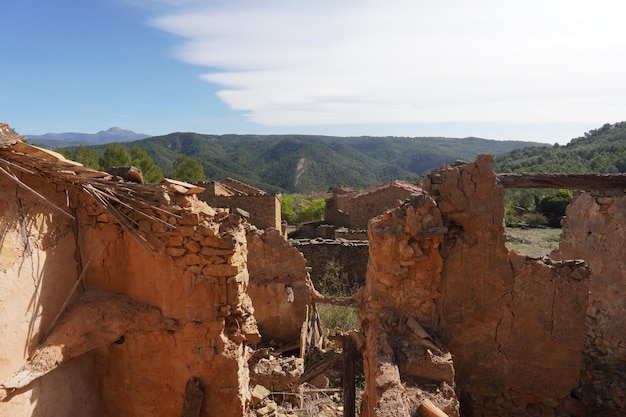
(585, 182)
(349, 390)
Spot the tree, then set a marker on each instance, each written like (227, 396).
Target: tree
(313, 211)
(87, 157)
(115, 155)
(140, 159)
(288, 208)
(186, 169)
(553, 206)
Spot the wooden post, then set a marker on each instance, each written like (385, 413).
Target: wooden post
(349, 392)
(193, 398)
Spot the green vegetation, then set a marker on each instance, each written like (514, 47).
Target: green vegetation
(598, 151)
(115, 155)
(304, 164)
(336, 283)
(299, 208)
(334, 318)
(186, 169)
(601, 150)
(87, 157)
(140, 159)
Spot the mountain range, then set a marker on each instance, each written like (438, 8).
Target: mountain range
(307, 163)
(294, 163)
(60, 140)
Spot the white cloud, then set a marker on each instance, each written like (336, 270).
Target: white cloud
(298, 62)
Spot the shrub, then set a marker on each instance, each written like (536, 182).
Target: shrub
(334, 317)
(535, 219)
(335, 282)
(553, 206)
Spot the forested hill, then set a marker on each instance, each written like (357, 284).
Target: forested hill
(304, 163)
(601, 150)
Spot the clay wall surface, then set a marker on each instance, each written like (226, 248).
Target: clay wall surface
(264, 210)
(196, 277)
(513, 324)
(38, 268)
(352, 256)
(280, 287)
(594, 230)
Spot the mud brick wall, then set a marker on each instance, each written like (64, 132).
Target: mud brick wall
(352, 256)
(38, 268)
(196, 276)
(513, 324)
(594, 230)
(366, 206)
(162, 299)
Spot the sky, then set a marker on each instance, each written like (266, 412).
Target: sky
(536, 70)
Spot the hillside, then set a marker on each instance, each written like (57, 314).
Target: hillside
(303, 163)
(601, 150)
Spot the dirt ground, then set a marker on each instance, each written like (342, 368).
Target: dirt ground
(536, 242)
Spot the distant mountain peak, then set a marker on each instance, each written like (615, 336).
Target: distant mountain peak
(113, 134)
(115, 131)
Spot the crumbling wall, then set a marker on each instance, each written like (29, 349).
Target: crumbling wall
(398, 315)
(280, 287)
(506, 318)
(513, 324)
(119, 305)
(196, 276)
(39, 264)
(594, 230)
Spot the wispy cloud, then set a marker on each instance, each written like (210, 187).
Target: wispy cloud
(300, 62)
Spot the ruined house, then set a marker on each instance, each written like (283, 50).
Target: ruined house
(262, 208)
(125, 299)
(346, 208)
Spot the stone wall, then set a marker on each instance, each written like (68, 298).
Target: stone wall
(198, 278)
(351, 256)
(363, 207)
(264, 210)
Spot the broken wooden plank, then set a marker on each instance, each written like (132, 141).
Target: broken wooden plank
(428, 409)
(585, 182)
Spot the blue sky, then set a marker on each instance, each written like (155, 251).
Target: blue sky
(540, 70)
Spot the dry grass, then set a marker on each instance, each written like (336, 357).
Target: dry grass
(536, 242)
